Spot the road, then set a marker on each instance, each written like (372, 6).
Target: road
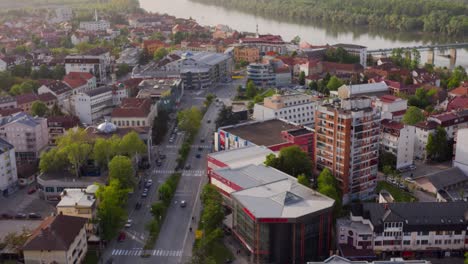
(174, 244)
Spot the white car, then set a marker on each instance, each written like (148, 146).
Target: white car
(129, 223)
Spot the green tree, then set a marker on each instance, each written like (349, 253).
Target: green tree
(303, 179)
(302, 78)
(313, 86)
(105, 149)
(327, 185)
(334, 83)
(160, 53)
(438, 147)
(15, 241)
(212, 217)
(38, 108)
(121, 169)
(165, 193)
(122, 69)
(296, 40)
(132, 146)
(159, 128)
(58, 72)
(413, 116)
(189, 120)
(210, 194)
(111, 210)
(251, 90)
(386, 159)
(416, 58)
(226, 117)
(158, 210)
(77, 154)
(291, 160)
(6, 80)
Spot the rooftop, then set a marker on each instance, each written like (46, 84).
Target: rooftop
(76, 198)
(4, 146)
(266, 133)
(57, 87)
(55, 233)
(447, 178)
(349, 46)
(77, 79)
(98, 91)
(251, 175)
(21, 118)
(235, 158)
(133, 107)
(458, 103)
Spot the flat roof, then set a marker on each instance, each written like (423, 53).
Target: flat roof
(76, 197)
(264, 133)
(235, 158)
(251, 175)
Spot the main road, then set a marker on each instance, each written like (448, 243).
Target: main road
(174, 244)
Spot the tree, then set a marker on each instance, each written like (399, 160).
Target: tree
(327, 185)
(44, 72)
(105, 149)
(213, 216)
(15, 241)
(122, 69)
(302, 78)
(416, 58)
(313, 86)
(160, 53)
(25, 87)
(291, 160)
(387, 159)
(38, 108)
(210, 194)
(131, 145)
(304, 180)
(334, 83)
(296, 40)
(165, 193)
(226, 117)
(111, 210)
(77, 154)
(413, 116)
(159, 129)
(250, 90)
(121, 169)
(58, 72)
(55, 111)
(189, 120)
(6, 80)
(438, 147)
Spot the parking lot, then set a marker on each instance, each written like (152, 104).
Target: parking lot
(22, 202)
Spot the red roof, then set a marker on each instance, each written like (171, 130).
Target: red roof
(133, 107)
(77, 79)
(460, 91)
(26, 98)
(388, 98)
(399, 113)
(66, 121)
(10, 111)
(46, 97)
(458, 103)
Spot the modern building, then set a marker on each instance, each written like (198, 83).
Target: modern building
(165, 92)
(91, 106)
(270, 72)
(58, 125)
(129, 56)
(79, 203)
(398, 139)
(8, 102)
(59, 239)
(101, 25)
(295, 108)
(347, 143)
(8, 172)
(341, 260)
(29, 135)
(406, 229)
(246, 54)
(96, 61)
(274, 134)
(391, 107)
(266, 43)
(366, 89)
(461, 151)
(134, 112)
(448, 185)
(356, 50)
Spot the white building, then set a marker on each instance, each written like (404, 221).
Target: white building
(271, 72)
(97, 62)
(91, 106)
(100, 25)
(79, 203)
(129, 56)
(8, 173)
(3, 65)
(62, 14)
(295, 108)
(367, 89)
(59, 89)
(356, 50)
(391, 107)
(461, 151)
(134, 112)
(398, 139)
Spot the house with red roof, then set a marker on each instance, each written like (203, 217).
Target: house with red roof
(152, 45)
(25, 101)
(80, 81)
(58, 88)
(134, 112)
(458, 103)
(462, 90)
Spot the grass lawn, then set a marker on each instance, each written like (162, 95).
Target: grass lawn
(398, 194)
(91, 257)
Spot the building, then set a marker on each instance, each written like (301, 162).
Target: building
(341, 260)
(80, 82)
(366, 89)
(57, 88)
(134, 112)
(152, 45)
(448, 185)
(91, 106)
(32, 139)
(461, 151)
(270, 72)
(406, 229)
(356, 50)
(8, 102)
(347, 143)
(25, 101)
(97, 62)
(101, 25)
(165, 92)
(295, 108)
(246, 54)
(79, 203)
(59, 239)
(8, 172)
(273, 134)
(398, 139)
(391, 107)
(129, 56)
(58, 125)
(266, 43)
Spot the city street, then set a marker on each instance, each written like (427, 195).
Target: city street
(174, 244)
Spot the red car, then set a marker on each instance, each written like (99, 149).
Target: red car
(122, 236)
(31, 190)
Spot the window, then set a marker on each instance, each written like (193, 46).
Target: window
(407, 233)
(457, 241)
(49, 189)
(377, 243)
(424, 242)
(406, 242)
(448, 242)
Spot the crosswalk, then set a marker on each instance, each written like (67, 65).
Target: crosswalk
(155, 252)
(193, 146)
(196, 173)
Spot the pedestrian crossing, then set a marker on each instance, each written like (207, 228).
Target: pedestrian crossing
(193, 146)
(155, 252)
(184, 172)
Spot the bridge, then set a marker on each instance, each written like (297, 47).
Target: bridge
(452, 47)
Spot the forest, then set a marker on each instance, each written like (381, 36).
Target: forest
(447, 17)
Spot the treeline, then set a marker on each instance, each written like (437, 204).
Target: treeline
(449, 17)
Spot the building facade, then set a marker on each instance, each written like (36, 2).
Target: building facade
(97, 63)
(58, 125)
(398, 139)
(347, 143)
(8, 172)
(134, 112)
(91, 106)
(101, 25)
(79, 203)
(246, 54)
(391, 107)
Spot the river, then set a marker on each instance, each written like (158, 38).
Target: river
(316, 35)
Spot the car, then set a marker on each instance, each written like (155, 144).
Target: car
(162, 156)
(187, 167)
(171, 140)
(200, 148)
(31, 190)
(412, 167)
(401, 185)
(20, 216)
(129, 223)
(198, 156)
(144, 194)
(202, 140)
(148, 184)
(145, 190)
(183, 203)
(149, 181)
(34, 216)
(138, 206)
(158, 163)
(208, 121)
(122, 236)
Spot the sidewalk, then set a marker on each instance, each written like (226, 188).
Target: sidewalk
(233, 245)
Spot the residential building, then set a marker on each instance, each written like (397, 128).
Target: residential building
(79, 203)
(274, 134)
(63, 14)
(25, 101)
(391, 107)
(356, 50)
(366, 89)
(91, 106)
(270, 72)
(461, 91)
(347, 143)
(97, 62)
(58, 88)
(461, 151)
(398, 139)
(8, 102)
(134, 112)
(457, 103)
(26, 133)
(407, 229)
(266, 43)
(80, 82)
(129, 56)
(295, 108)
(152, 45)
(59, 239)
(8, 172)
(246, 54)
(341, 260)
(58, 125)
(448, 185)
(101, 25)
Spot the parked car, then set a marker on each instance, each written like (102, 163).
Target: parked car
(158, 163)
(20, 216)
(34, 216)
(32, 190)
(6, 216)
(144, 194)
(129, 223)
(148, 184)
(202, 140)
(200, 148)
(187, 167)
(122, 236)
(183, 203)
(198, 156)
(412, 167)
(138, 206)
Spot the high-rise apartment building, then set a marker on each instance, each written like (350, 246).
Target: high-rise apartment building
(347, 143)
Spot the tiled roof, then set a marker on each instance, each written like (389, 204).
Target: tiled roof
(26, 98)
(45, 97)
(56, 233)
(77, 79)
(458, 103)
(460, 91)
(388, 98)
(57, 87)
(133, 107)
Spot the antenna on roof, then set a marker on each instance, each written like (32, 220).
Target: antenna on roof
(256, 32)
